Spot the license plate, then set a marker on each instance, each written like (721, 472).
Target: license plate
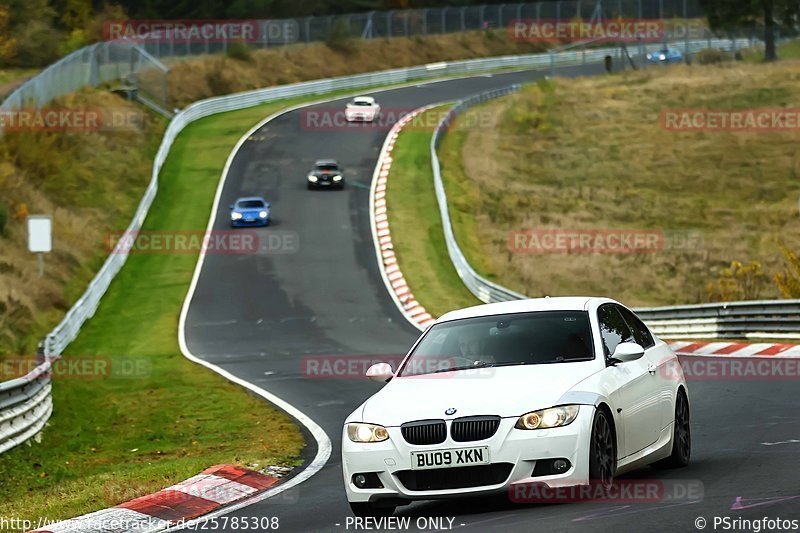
(249, 220)
(450, 458)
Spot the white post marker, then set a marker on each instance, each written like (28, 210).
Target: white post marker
(40, 237)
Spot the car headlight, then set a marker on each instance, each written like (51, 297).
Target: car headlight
(360, 432)
(312, 178)
(236, 216)
(263, 214)
(649, 56)
(662, 57)
(337, 178)
(548, 418)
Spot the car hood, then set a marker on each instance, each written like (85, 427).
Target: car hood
(505, 391)
(326, 173)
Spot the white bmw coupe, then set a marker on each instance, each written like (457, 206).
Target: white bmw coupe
(550, 392)
(362, 109)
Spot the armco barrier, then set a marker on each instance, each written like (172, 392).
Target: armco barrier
(749, 319)
(21, 418)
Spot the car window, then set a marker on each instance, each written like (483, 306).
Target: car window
(499, 340)
(327, 168)
(613, 328)
(639, 330)
(251, 204)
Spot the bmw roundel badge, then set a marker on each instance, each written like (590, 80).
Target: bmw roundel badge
(450, 411)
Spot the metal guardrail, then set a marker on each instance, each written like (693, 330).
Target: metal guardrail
(25, 406)
(750, 319)
(25, 403)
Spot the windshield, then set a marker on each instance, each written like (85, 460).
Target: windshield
(362, 102)
(501, 340)
(327, 168)
(250, 204)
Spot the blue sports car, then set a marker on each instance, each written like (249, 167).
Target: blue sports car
(250, 211)
(665, 56)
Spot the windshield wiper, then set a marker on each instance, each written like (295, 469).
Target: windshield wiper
(477, 364)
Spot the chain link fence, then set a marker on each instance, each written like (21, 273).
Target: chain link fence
(93, 66)
(430, 21)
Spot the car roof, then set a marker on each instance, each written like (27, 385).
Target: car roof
(247, 198)
(561, 303)
(321, 162)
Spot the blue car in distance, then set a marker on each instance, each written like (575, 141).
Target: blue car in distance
(665, 56)
(250, 211)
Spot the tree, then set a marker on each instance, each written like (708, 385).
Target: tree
(734, 15)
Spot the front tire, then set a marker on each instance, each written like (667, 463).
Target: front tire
(602, 454)
(367, 509)
(681, 436)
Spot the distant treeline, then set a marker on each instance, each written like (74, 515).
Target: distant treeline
(36, 32)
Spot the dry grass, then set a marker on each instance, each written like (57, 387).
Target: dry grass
(210, 76)
(591, 154)
(89, 182)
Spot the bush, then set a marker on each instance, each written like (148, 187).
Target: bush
(38, 44)
(3, 219)
(788, 281)
(339, 38)
(240, 51)
(738, 282)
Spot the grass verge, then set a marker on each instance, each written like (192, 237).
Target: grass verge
(116, 437)
(417, 227)
(113, 438)
(591, 153)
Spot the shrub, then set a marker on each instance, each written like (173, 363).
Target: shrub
(738, 282)
(339, 38)
(788, 281)
(240, 51)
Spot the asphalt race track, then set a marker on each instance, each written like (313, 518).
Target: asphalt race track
(258, 315)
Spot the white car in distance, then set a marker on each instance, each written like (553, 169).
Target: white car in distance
(554, 392)
(362, 109)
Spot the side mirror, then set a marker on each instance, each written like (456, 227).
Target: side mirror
(380, 372)
(231, 206)
(627, 351)
(268, 205)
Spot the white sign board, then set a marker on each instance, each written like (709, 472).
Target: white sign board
(40, 233)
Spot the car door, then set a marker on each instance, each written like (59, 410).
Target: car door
(637, 392)
(661, 359)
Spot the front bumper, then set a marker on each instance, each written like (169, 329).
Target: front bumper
(360, 117)
(326, 184)
(242, 223)
(520, 449)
